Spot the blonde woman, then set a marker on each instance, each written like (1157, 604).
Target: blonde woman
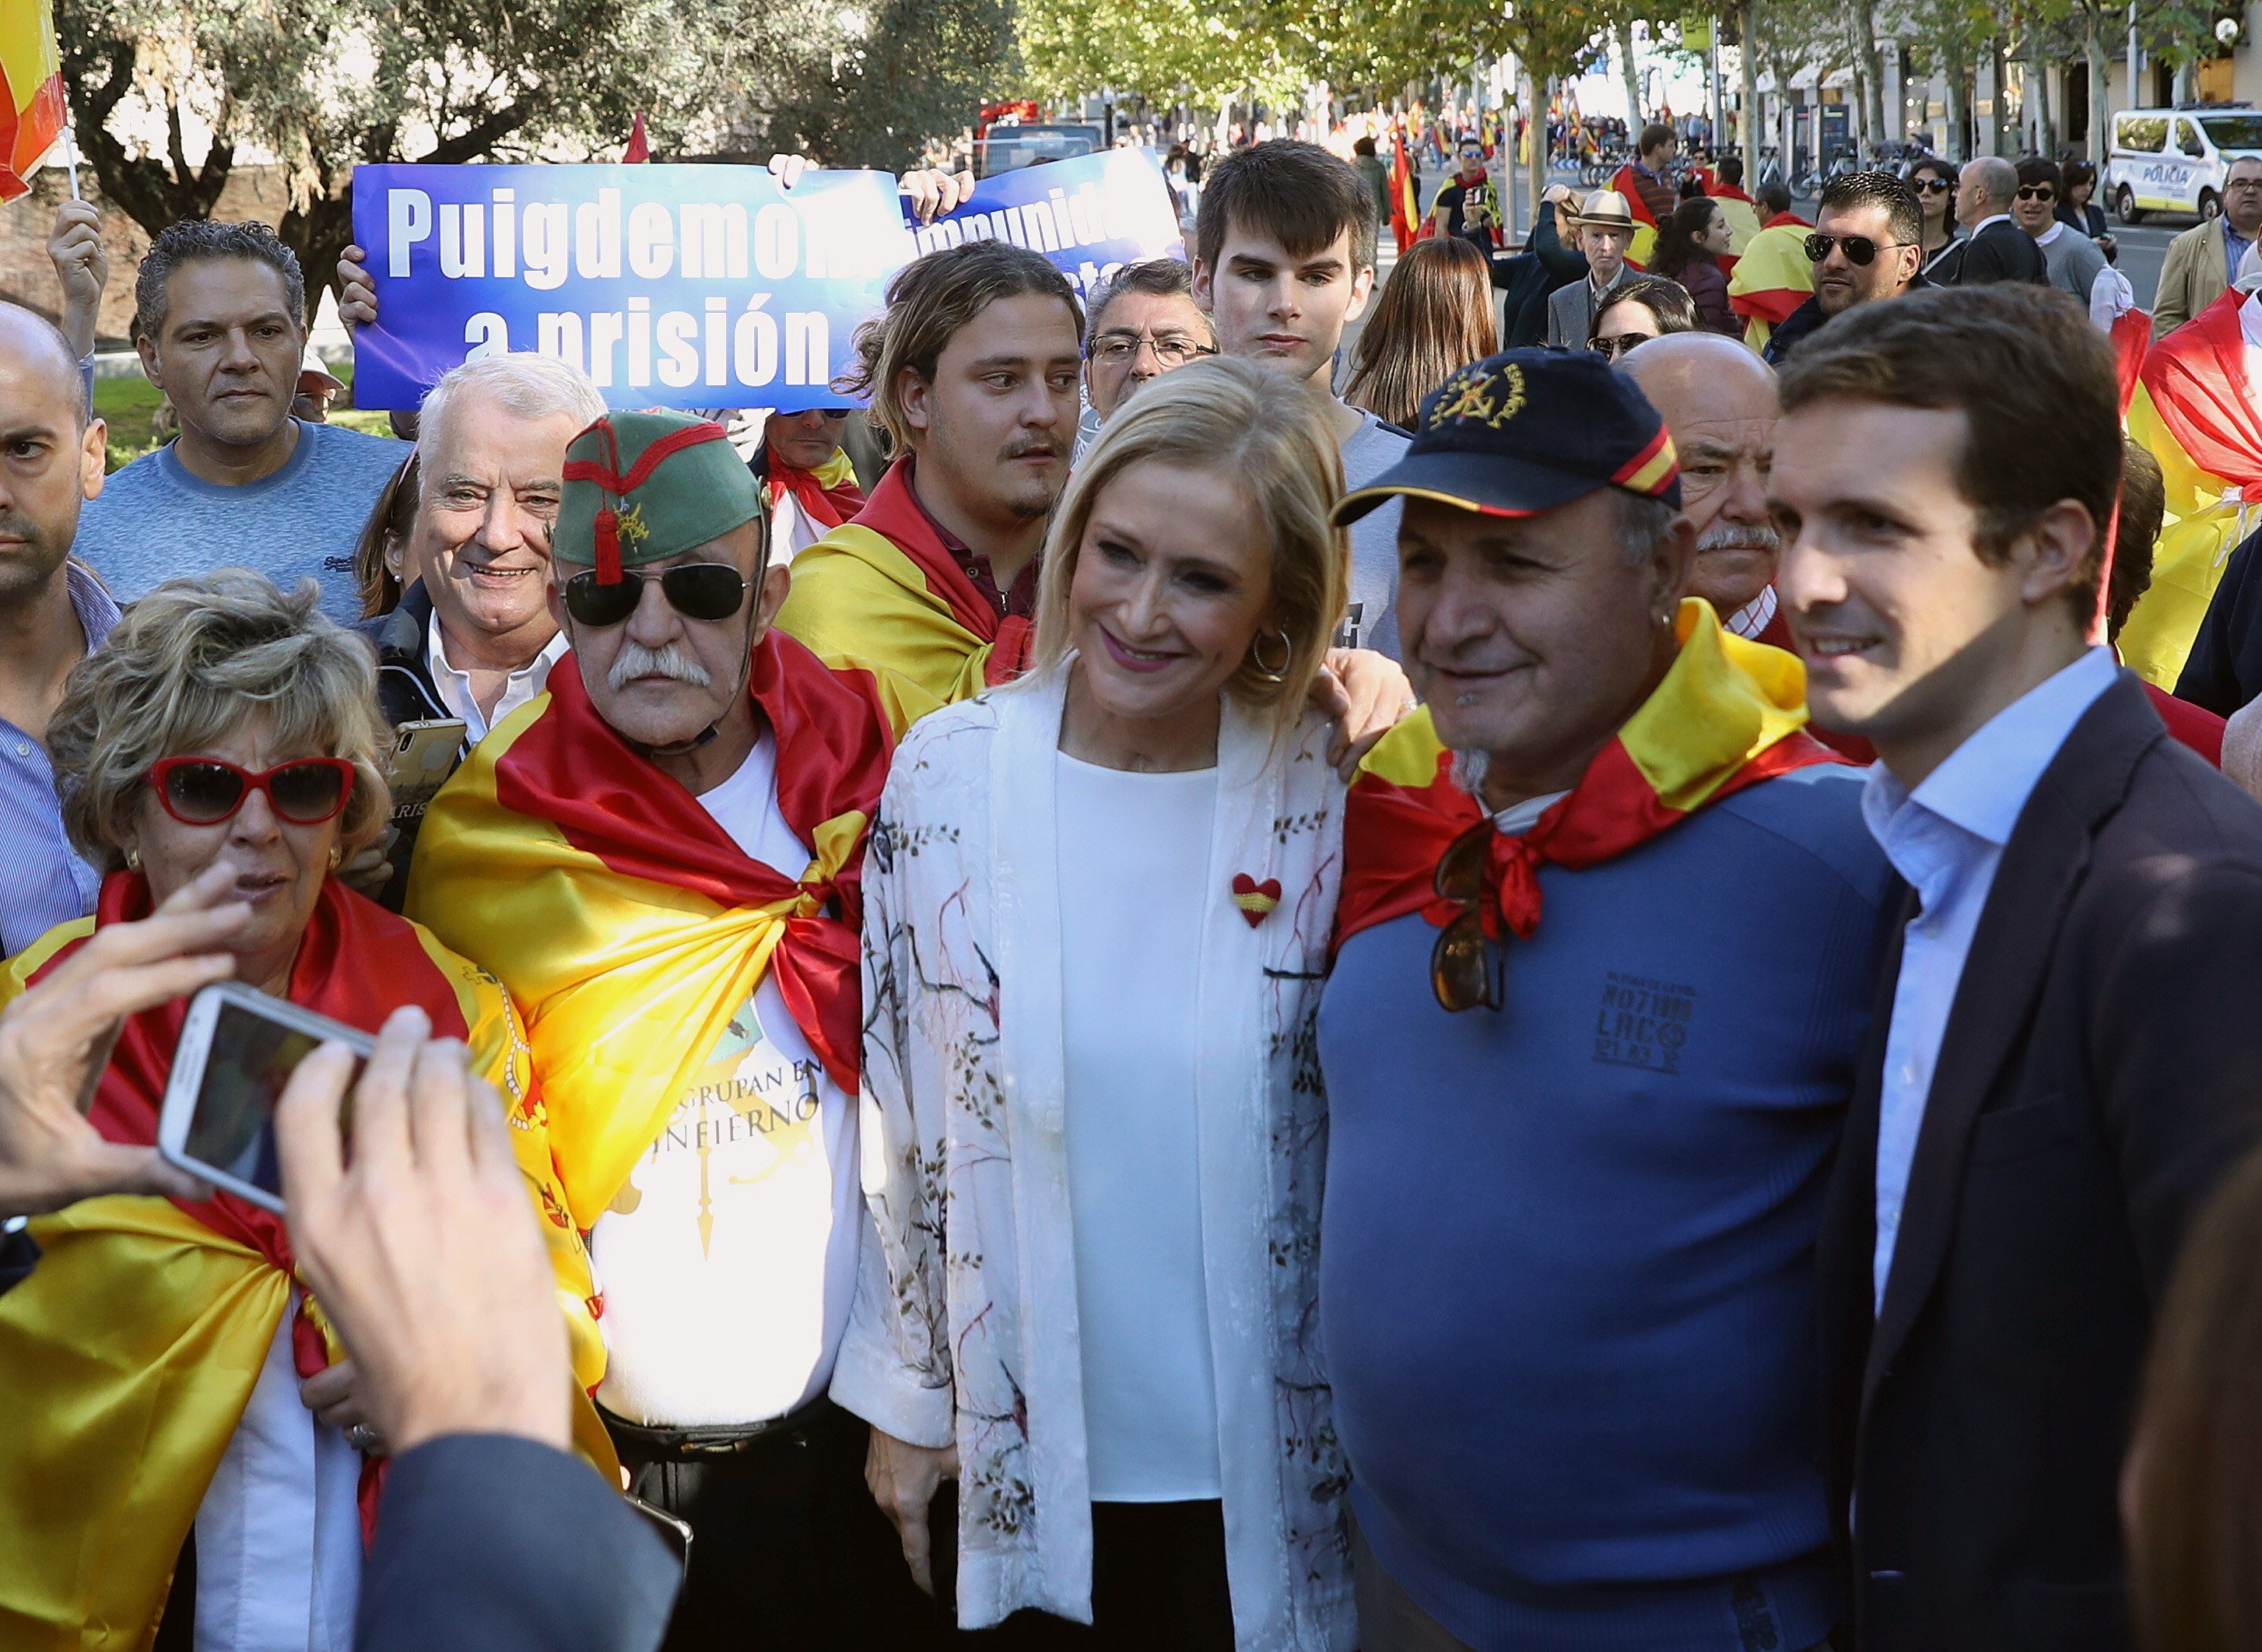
(1096, 910)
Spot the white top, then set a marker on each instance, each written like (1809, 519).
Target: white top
(455, 686)
(792, 529)
(279, 1534)
(1946, 838)
(728, 1262)
(1134, 854)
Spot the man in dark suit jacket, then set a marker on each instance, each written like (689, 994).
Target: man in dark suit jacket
(2070, 1053)
(1997, 249)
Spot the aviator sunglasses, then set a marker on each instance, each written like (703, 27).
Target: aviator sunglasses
(1860, 249)
(1461, 965)
(206, 791)
(696, 590)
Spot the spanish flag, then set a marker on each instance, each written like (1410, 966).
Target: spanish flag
(1772, 279)
(32, 109)
(884, 595)
(1627, 182)
(827, 495)
(1405, 211)
(2195, 410)
(126, 1359)
(627, 923)
(1729, 714)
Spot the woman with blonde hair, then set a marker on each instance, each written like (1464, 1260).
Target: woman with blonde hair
(1434, 317)
(1097, 911)
(181, 1382)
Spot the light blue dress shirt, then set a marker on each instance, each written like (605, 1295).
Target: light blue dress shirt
(1946, 840)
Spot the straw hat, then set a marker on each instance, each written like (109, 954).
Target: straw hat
(1606, 209)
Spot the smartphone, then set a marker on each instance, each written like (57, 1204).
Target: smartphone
(237, 1049)
(422, 756)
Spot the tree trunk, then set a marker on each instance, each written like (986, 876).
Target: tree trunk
(2045, 124)
(2101, 87)
(1959, 109)
(1870, 72)
(1998, 126)
(318, 233)
(1748, 123)
(1542, 94)
(1632, 84)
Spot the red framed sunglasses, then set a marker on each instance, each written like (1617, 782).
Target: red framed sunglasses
(206, 791)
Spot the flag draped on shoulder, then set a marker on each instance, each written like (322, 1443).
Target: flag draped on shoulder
(827, 495)
(628, 924)
(1773, 278)
(884, 594)
(2195, 410)
(1729, 714)
(1405, 215)
(138, 1339)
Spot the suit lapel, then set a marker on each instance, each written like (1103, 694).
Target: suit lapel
(2011, 953)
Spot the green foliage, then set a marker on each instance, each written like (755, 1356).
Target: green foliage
(920, 70)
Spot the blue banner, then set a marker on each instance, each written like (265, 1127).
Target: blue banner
(696, 286)
(1091, 215)
(675, 286)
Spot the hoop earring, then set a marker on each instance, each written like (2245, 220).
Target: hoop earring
(1273, 673)
(132, 859)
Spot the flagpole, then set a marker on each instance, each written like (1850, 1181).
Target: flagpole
(70, 154)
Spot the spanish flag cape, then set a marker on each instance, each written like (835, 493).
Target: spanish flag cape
(629, 926)
(1729, 714)
(2195, 410)
(884, 594)
(1405, 215)
(1743, 225)
(827, 495)
(1772, 279)
(128, 1358)
(1627, 182)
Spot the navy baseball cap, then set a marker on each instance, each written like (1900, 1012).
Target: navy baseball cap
(1525, 431)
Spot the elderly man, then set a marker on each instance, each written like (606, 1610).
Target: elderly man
(220, 321)
(1997, 249)
(1867, 244)
(659, 858)
(2203, 260)
(1719, 406)
(1606, 229)
(1143, 322)
(472, 638)
(1566, 1428)
(51, 611)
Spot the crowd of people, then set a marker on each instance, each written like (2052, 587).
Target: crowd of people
(1561, 998)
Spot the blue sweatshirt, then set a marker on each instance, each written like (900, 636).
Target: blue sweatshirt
(1567, 1255)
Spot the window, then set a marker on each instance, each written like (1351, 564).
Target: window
(2187, 141)
(2233, 134)
(2147, 132)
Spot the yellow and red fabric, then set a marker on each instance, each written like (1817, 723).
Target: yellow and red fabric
(1772, 279)
(32, 108)
(1406, 222)
(882, 593)
(1728, 714)
(2132, 342)
(629, 926)
(827, 495)
(134, 1346)
(2193, 409)
(1627, 182)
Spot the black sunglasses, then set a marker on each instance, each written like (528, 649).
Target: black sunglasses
(696, 590)
(1931, 186)
(2038, 192)
(1860, 249)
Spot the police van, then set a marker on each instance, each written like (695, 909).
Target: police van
(2174, 160)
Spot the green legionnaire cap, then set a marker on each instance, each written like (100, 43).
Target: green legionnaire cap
(643, 487)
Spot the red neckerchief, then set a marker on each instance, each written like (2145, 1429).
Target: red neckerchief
(894, 512)
(357, 964)
(828, 507)
(833, 744)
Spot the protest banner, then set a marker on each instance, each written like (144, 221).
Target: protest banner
(1089, 215)
(678, 287)
(695, 286)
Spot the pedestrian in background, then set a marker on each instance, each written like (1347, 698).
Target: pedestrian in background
(1435, 317)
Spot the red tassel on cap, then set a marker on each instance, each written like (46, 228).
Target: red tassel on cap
(609, 547)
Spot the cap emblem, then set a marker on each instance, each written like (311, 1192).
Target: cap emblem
(1471, 396)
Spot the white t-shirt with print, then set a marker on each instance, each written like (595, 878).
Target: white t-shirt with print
(728, 1261)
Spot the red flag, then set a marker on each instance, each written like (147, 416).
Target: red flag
(639, 147)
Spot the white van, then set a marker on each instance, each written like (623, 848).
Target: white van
(2173, 160)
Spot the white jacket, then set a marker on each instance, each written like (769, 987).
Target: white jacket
(965, 1324)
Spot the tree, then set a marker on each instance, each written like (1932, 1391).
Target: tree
(918, 71)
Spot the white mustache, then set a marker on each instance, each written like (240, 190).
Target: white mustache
(1739, 536)
(636, 661)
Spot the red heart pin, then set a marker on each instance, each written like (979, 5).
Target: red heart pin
(1255, 900)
